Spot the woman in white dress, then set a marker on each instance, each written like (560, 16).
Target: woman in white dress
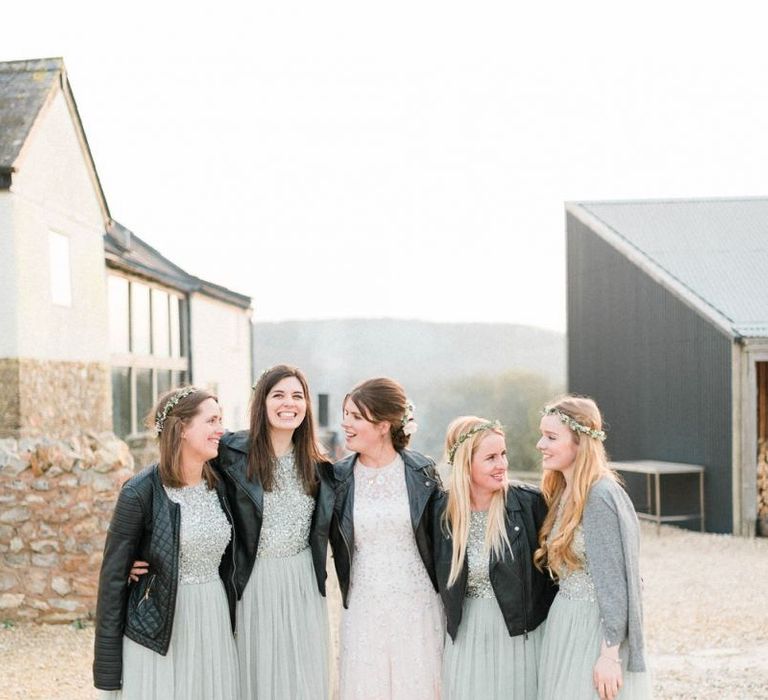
(590, 540)
(392, 624)
(168, 636)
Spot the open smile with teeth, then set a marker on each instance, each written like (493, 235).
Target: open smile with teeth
(287, 415)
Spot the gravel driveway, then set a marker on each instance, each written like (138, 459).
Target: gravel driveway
(706, 610)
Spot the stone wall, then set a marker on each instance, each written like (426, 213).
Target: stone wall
(56, 501)
(53, 398)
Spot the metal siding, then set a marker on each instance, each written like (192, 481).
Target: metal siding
(659, 371)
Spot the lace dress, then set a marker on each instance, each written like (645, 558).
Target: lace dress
(484, 661)
(282, 620)
(201, 663)
(392, 632)
(573, 637)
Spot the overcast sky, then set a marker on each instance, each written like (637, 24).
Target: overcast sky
(401, 159)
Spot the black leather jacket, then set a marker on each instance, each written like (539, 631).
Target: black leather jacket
(422, 483)
(145, 525)
(247, 500)
(523, 593)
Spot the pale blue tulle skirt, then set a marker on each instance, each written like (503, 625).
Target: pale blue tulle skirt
(201, 663)
(485, 662)
(570, 649)
(282, 631)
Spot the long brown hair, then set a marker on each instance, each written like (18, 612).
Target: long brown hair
(170, 440)
(383, 399)
(590, 465)
(261, 456)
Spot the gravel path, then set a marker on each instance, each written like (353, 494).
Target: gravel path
(706, 610)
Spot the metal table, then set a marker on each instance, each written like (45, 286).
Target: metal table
(653, 472)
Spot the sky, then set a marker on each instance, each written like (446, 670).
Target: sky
(401, 159)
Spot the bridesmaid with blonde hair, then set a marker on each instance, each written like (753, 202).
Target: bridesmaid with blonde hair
(495, 600)
(593, 644)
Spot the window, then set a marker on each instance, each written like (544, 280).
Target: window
(60, 270)
(148, 356)
(119, 322)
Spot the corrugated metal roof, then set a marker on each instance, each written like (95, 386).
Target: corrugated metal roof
(716, 248)
(24, 86)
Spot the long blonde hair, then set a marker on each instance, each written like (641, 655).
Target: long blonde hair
(589, 465)
(457, 514)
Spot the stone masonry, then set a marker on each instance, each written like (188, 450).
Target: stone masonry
(56, 501)
(53, 398)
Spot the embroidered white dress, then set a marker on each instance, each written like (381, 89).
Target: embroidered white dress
(392, 632)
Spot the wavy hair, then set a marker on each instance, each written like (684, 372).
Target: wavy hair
(456, 518)
(589, 465)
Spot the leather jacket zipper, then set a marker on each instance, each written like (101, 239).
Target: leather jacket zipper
(225, 503)
(145, 597)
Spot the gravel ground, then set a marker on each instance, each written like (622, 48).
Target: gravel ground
(706, 610)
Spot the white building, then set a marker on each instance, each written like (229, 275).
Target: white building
(94, 323)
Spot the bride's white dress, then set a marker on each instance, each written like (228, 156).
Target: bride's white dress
(392, 632)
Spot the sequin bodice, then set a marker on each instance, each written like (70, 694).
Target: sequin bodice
(288, 513)
(205, 532)
(575, 585)
(478, 559)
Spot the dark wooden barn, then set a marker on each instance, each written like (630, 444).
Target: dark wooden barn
(668, 331)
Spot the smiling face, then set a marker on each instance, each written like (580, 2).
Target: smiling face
(361, 435)
(201, 433)
(557, 445)
(286, 404)
(488, 469)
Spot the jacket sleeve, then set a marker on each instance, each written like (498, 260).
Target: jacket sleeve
(605, 557)
(123, 538)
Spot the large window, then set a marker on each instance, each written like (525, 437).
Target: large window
(149, 354)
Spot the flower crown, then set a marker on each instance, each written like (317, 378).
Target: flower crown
(408, 422)
(170, 405)
(491, 425)
(573, 424)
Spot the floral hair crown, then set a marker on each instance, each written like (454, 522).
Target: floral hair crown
(170, 404)
(491, 425)
(408, 422)
(573, 424)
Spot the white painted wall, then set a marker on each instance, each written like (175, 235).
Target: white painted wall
(221, 350)
(53, 190)
(9, 294)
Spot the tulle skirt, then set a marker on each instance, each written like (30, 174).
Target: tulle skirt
(282, 631)
(570, 649)
(485, 662)
(201, 663)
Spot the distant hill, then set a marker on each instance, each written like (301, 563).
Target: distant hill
(423, 356)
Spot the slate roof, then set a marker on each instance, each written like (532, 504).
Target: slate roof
(24, 87)
(716, 250)
(124, 250)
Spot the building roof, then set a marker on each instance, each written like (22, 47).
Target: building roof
(24, 87)
(711, 252)
(125, 251)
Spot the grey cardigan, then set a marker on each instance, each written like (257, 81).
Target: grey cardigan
(612, 541)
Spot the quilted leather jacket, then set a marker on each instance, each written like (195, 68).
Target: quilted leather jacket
(145, 525)
(423, 485)
(247, 500)
(524, 593)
